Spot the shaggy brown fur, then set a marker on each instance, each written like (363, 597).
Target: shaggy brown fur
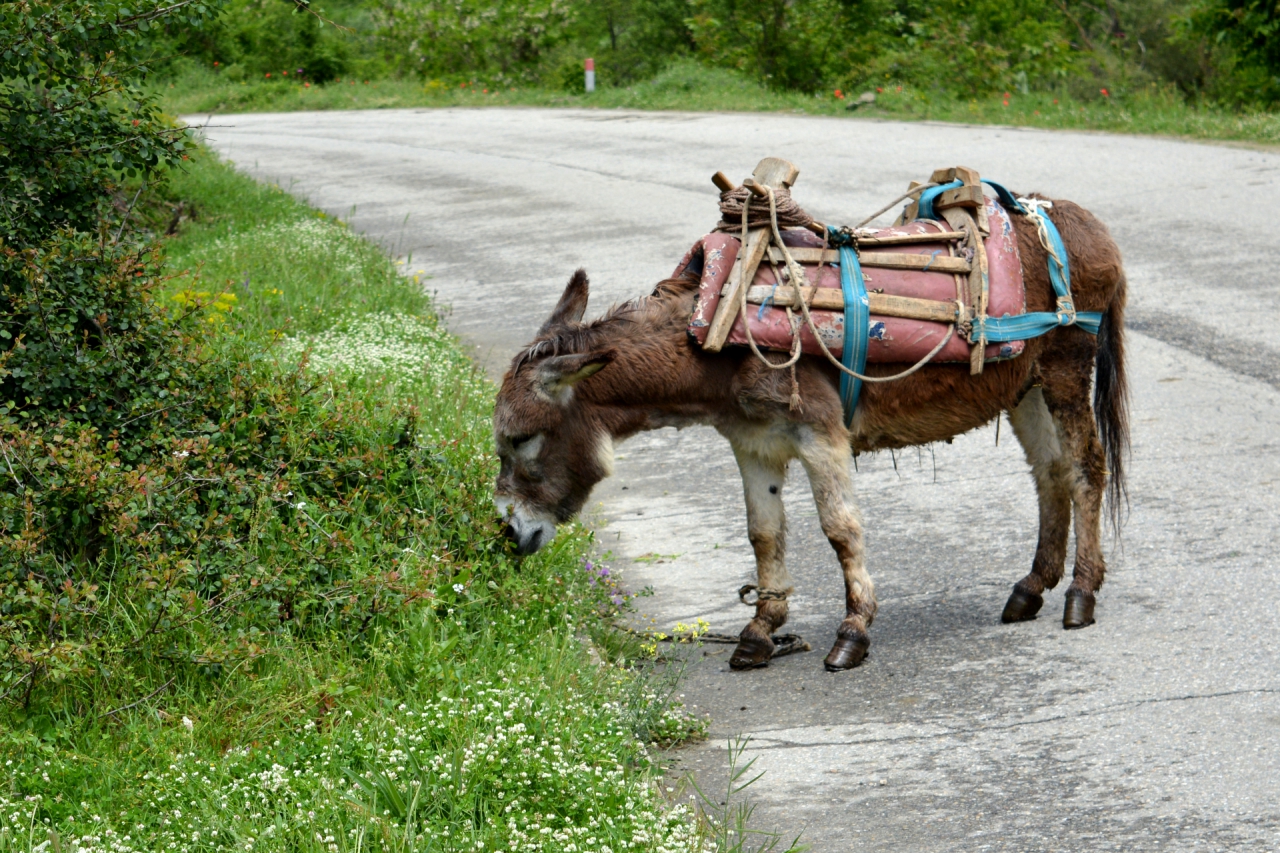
(579, 388)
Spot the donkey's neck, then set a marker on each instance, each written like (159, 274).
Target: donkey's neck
(658, 377)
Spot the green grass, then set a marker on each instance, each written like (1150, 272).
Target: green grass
(689, 86)
(448, 699)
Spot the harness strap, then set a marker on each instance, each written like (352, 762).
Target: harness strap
(857, 312)
(924, 207)
(1026, 326)
(857, 325)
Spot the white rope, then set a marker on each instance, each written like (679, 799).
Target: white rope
(1034, 206)
(742, 301)
(797, 276)
(906, 195)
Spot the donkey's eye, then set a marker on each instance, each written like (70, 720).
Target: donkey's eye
(517, 440)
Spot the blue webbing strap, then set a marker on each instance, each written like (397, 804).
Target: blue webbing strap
(1026, 326)
(857, 313)
(924, 207)
(857, 322)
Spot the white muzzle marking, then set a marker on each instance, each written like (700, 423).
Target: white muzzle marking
(529, 528)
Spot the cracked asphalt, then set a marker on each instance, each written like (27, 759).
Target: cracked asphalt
(1158, 728)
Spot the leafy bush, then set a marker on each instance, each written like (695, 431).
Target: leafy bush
(1208, 49)
(79, 325)
(255, 520)
(502, 42)
(974, 47)
(258, 37)
(1244, 37)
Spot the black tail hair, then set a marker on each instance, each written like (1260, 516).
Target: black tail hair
(1111, 404)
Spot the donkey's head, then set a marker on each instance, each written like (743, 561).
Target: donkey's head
(553, 445)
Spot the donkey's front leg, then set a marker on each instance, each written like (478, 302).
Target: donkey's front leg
(762, 480)
(826, 459)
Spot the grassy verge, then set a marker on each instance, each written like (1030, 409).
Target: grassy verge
(689, 86)
(411, 685)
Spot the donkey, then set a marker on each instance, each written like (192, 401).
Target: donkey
(580, 388)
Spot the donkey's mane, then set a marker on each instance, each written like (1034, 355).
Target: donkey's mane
(580, 337)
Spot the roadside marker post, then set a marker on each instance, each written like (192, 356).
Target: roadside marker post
(589, 68)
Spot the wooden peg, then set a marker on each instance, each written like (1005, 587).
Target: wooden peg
(722, 183)
(756, 189)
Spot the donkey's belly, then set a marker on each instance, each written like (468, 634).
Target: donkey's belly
(937, 403)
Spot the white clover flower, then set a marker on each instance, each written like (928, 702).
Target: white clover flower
(188, 724)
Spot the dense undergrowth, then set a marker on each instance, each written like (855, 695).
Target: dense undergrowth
(1199, 68)
(288, 620)
(688, 85)
(253, 595)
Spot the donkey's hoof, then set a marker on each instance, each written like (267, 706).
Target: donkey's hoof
(1021, 606)
(751, 653)
(848, 652)
(1079, 610)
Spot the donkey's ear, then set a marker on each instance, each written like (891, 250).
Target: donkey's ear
(558, 374)
(572, 304)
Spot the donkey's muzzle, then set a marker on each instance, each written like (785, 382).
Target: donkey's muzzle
(524, 544)
(528, 534)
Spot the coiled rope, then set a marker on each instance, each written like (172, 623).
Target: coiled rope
(782, 208)
(797, 275)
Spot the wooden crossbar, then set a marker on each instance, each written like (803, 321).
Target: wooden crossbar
(831, 299)
(904, 239)
(884, 260)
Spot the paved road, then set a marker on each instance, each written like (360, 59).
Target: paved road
(1156, 729)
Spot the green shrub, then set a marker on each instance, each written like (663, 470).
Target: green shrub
(79, 327)
(954, 48)
(500, 42)
(253, 38)
(1243, 39)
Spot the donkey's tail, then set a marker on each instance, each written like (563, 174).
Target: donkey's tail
(1111, 402)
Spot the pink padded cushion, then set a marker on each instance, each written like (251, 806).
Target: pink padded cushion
(891, 339)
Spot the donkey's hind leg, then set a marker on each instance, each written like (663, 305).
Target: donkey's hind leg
(762, 481)
(1067, 398)
(1056, 428)
(1042, 441)
(826, 460)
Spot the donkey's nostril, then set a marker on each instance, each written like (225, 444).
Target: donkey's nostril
(532, 543)
(508, 530)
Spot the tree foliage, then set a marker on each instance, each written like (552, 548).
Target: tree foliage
(78, 325)
(253, 38)
(1243, 38)
(1221, 50)
(87, 357)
